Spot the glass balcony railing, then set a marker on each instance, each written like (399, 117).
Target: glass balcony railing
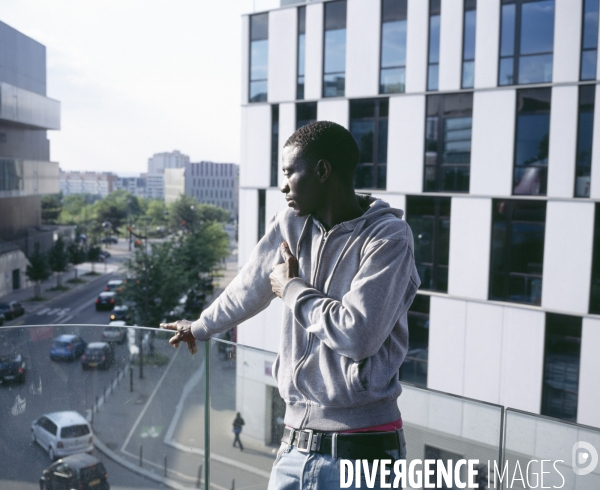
(154, 417)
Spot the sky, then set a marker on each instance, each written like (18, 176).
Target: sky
(138, 77)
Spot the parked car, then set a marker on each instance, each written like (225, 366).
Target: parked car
(115, 332)
(2, 319)
(110, 239)
(12, 366)
(62, 434)
(97, 354)
(115, 285)
(121, 313)
(82, 471)
(104, 255)
(68, 347)
(106, 300)
(12, 309)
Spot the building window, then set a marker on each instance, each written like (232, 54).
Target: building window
(334, 59)
(306, 113)
(526, 41)
(595, 286)
(589, 40)
(562, 352)
(301, 52)
(532, 141)
(429, 219)
(468, 66)
(433, 62)
(448, 142)
(517, 251)
(585, 134)
(274, 144)
(259, 57)
(393, 46)
(414, 367)
(262, 211)
(369, 126)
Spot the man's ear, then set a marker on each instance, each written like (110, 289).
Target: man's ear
(323, 170)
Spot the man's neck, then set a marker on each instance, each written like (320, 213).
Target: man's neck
(339, 209)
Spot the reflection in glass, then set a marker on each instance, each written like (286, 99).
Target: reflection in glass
(334, 65)
(301, 52)
(595, 282)
(468, 70)
(259, 57)
(429, 219)
(393, 46)
(517, 251)
(589, 45)
(532, 141)
(305, 113)
(537, 27)
(434, 44)
(414, 367)
(585, 133)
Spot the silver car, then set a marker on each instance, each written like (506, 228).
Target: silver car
(63, 433)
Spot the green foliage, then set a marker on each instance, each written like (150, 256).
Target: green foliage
(189, 213)
(93, 254)
(38, 269)
(157, 212)
(51, 208)
(58, 257)
(77, 255)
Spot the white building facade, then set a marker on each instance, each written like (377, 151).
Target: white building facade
(155, 182)
(134, 185)
(479, 119)
(95, 183)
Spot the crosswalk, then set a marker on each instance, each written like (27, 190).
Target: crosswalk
(54, 312)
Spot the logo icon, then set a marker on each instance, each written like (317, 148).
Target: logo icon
(584, 454)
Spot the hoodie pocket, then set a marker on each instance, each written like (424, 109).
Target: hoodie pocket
(360, 375)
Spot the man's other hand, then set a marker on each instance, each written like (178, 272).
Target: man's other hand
(284, 273)
(184, 334)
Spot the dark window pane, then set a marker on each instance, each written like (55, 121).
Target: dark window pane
(506, 71)
(364, 176)
(334, 85)
(383, 140)
(274, 144)
(393, 44)
(590, 24)
(535, 69)
(469, 35)
(301, 20)
(258, 91)
(392, 80)
(434, 39)
(595, 283)
(537, 27)
(589, 60)
(259, 27)
(414, 367)
(363, 132)
(585, 130)
(335, 15)
(392, 10)
(470, 4)
(381, 176)
(335, 51)
(305, 113)
(300, 88)
(435, 7)
(432, 77)
(259, 59)
(507, 35)
(562, 352)
(262, 211)
(468, 74)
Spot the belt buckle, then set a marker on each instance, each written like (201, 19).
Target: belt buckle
(309, 442)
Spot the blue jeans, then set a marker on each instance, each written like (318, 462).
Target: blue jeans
(295, 470)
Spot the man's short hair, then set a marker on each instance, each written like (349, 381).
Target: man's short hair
(329, 141)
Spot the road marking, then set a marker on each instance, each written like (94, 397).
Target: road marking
(151, 431)
(53, 311)
(43, 312)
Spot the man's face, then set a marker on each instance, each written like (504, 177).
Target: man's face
(301, 184)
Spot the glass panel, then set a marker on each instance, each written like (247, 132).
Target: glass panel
(274, 144)
(434, 39)
(364, 176)
(432, 77)
(301, 54)
(468, 74)
(392, 80)
(335, 15)
(301, 20)
(507, 71)
(383, 141)
(258, 91)
(305, 114)
(414, 367)
(585, 130)
(534, 69)
(507, 35)
(300, 88)
(537, 27)
(334, 85)
(335, 51)
(590, 24)
(595, 282)
(589, 60)
(381, 176)
(469, 35)
(259, 27)
(363, 132)
(392, 10)
(259, 60)
(393, 44)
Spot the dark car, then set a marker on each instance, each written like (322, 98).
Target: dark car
(68, 347)
(11, 310)
(82, 471)
(2, 318)
(110, 239)
(121, 313)
(106, 300)
(97, 354)
(12, 367)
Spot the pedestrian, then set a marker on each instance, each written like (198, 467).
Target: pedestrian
(237, 430)
(344, 267)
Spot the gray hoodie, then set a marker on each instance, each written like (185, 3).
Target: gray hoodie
(345, 331)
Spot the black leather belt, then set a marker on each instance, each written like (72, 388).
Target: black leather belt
(359, 445)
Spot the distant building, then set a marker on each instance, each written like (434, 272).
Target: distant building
(95, 183)
(207, 182)
(155, 183)
(134, 185)
(26, 171)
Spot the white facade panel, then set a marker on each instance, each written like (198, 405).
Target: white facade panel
(287, 126)
(492, 144)
(487, 39)
(397, 201)
(248, 225)
(595, 177)
(447, 330)
(313, 78)
(563, 142)
(406, 143)
(470, 237)
(283, 41)
(245, 59)
(451, 39)
(589, 382)
(568, 256)
(417, 30)
(256, 146)
(336, 111)
(567, 42)
(483, 365)
(362, 48)
(522, 347)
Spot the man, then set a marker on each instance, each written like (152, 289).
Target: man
(343, 265)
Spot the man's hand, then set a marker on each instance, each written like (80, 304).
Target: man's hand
(283, 273)
(184, 334)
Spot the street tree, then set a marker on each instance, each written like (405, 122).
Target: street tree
(93, 255)
(77, 255)
(38, 269)
(51, 208)
(58, 259)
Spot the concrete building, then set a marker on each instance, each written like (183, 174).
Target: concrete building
(155, 183)
(95, 183)
(134, 185)
(207, 182)
(26, 171)
(491, 151)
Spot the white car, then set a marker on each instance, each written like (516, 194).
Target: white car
(62, 434)
(115, 332)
